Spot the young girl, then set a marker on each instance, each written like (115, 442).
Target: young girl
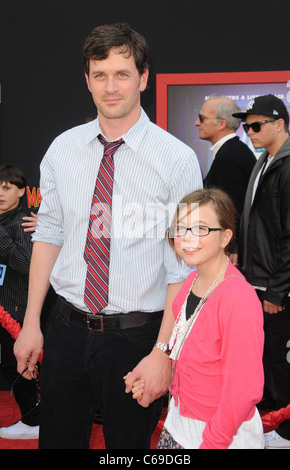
(217, 339)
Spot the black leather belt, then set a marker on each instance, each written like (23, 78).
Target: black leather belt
(101, 322)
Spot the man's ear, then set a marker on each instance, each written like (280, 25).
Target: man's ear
(222, 123)
(144, 80)
(88, 82)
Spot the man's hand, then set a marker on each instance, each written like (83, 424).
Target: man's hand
(154, 371)
(29, 343)
(27, 349)
(268, 307)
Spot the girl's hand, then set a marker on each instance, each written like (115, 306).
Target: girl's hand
(137, 387)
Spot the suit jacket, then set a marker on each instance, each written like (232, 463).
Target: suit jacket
(231, 170)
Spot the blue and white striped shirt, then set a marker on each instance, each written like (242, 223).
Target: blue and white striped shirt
(153, 171)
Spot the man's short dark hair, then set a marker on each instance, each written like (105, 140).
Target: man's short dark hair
(120, 35)
(13, 175)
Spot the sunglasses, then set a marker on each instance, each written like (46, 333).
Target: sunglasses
(36, 378)
(256, 126)
(202, 118)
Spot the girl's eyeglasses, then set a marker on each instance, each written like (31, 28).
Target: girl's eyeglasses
(197, 231)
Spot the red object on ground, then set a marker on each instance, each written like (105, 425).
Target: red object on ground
(274, 418)
(12, 326)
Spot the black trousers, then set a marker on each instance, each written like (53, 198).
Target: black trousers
(25, 391)
(277, 360)
(83, 370)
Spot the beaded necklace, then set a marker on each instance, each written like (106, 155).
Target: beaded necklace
(180, 331)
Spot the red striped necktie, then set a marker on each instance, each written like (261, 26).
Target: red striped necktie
(97, 249)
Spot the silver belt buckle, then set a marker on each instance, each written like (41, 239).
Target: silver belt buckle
(98, 318)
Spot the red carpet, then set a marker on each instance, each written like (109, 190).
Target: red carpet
(9, 414)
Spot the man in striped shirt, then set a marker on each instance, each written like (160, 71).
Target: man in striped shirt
(86, 356)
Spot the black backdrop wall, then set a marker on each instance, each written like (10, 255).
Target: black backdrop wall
(43, 90)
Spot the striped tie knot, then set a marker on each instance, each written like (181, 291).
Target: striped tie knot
(110, 147)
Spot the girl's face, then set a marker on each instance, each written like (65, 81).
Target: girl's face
(199, 250)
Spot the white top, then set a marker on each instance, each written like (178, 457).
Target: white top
(263, 169)
(188, 432)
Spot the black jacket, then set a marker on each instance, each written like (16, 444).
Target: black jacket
(231, 170)
(15, 254)
(264, 254)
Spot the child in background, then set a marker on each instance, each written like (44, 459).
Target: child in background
(217, 339)
(15, 254)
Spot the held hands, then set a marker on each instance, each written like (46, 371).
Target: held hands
(150, 379)
(137, 388)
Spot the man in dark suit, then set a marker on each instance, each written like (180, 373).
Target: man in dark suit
(233, 161)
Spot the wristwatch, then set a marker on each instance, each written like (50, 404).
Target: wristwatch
(164, 347)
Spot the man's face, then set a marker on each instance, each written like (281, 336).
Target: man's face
(207, 123)
(9, 196)
(267, 133)
(115, 84)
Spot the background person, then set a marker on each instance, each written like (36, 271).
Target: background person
(265, 244)
(233, 161)
(15, 253)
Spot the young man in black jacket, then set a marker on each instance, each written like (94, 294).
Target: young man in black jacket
(15, 254)
(264, 253)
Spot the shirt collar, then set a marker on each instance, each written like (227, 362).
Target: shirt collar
(215, 148)
(133, 137)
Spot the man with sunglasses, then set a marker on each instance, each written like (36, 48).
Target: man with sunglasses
(233, 161)
(264, 254)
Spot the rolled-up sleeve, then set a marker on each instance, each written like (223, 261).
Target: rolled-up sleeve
(50, 224)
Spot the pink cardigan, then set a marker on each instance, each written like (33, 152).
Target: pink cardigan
(219, 376)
